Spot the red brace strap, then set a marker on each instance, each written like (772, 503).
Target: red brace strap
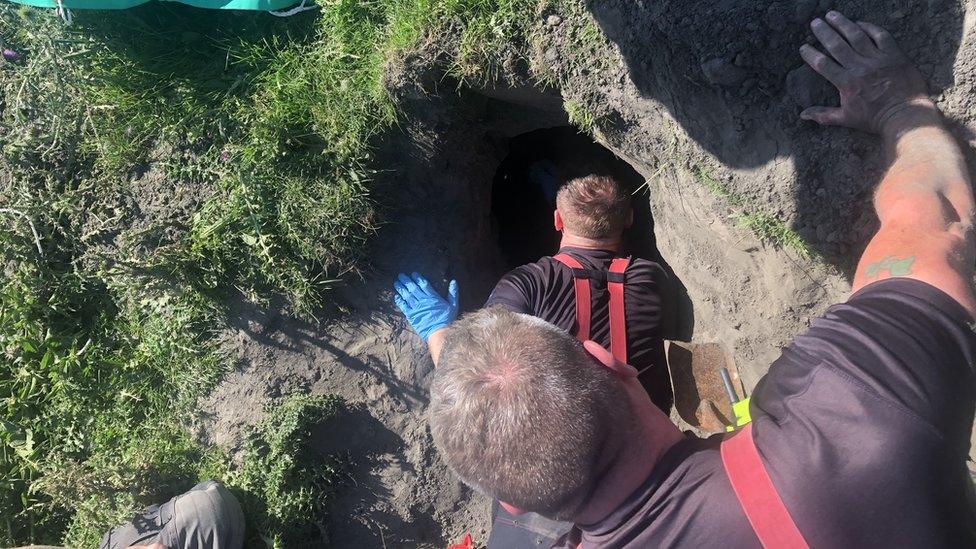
(755, 491)
(618, 315)
(582, 287)
(618, 318)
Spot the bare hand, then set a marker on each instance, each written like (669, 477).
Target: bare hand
(877, 82)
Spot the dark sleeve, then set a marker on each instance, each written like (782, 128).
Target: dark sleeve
(902, 341)
(650, 283)
(513, 291)
(669, 302)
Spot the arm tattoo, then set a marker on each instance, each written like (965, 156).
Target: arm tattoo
(895, 266)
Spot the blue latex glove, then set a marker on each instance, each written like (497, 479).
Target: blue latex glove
(425, 309)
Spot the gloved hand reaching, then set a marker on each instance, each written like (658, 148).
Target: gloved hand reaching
(425, 309)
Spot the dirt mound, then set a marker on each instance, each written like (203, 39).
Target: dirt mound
(731, 76)
(437, 195)
(703, 100)
(758, 214)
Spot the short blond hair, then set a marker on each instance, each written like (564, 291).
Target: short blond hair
(594, 206)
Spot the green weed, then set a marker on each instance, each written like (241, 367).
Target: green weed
(490, 34)
(580, 116)
(718, 187)
(772, 229)
(766, 227)
(91, 376)
(106, 336)
(284, 486)
(105, 346)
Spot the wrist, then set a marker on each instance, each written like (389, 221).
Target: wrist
(437, 335)
(904, 117)
(433, 330)
(436, 342)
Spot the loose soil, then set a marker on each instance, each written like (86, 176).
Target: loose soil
(683, 89)
(436, 191)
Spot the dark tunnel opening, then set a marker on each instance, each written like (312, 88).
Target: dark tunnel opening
(523, 193)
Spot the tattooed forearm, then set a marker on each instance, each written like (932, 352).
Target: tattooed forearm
(890, 266)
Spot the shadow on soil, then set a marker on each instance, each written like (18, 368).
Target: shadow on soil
(281, 332)
(373, 450)
(730, 73)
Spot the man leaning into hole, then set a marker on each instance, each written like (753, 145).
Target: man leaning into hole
(587, 289)
(859, 431)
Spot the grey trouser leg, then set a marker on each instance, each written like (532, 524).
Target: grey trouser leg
(206, 517)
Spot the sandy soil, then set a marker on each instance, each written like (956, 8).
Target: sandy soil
(689, 86)
(437, 196)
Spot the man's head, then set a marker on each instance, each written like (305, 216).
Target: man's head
(596, 207)
(521, 412)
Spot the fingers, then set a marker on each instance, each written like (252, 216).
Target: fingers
(822, 64)
(835, 45)
(411, 288)
(403, 294)
(452, 293)
(606, 358)
(881, 37)
(825, 116)
(400, 303)
(408, 283)
(403, 291)
(854, 34)
(422, 283)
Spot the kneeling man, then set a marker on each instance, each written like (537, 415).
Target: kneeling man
(587, 289)
(861, 428)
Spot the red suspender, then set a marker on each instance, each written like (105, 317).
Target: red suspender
(755, 491)
(618, 318)
(582, 287)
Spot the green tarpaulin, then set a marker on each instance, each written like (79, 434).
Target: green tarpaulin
(263, 5)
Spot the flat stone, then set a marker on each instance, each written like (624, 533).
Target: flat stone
(720, 72)
(804, 10)
(778, 15)
(808, 89)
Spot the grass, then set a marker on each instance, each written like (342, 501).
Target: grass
(107, 341)
(284, 486)
(580, 116)
(484, 35)
(718, 187)
(767, 227)
(107, 332)
(770, 228)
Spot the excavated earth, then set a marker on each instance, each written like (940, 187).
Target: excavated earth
(685, 92)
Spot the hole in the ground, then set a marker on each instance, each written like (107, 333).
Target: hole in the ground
(524, 189)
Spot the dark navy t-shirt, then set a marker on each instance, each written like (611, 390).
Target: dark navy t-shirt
(545, 289)
(863, 424)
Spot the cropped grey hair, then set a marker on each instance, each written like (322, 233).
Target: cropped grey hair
(522, 413)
